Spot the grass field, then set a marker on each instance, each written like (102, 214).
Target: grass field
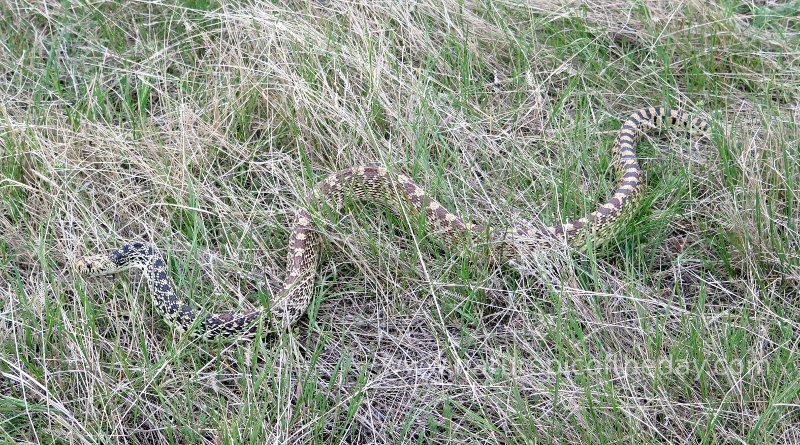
(200, 126)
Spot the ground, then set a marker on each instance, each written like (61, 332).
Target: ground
(200, 126)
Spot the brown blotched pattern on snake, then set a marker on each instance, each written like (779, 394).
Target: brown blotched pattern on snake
(400, 193)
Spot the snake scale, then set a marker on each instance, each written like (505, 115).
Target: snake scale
(382, 186)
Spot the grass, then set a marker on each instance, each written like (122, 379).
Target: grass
(200, 126)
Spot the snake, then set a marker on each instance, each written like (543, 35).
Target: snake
(382, 186)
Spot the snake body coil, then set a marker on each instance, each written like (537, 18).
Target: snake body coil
(380, 185)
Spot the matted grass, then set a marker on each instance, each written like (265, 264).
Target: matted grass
(200, 127)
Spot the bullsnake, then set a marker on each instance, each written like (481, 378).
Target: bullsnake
(400, 193)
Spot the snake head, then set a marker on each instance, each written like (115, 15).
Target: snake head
(94, 265)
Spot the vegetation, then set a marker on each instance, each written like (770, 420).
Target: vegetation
(200, 126)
